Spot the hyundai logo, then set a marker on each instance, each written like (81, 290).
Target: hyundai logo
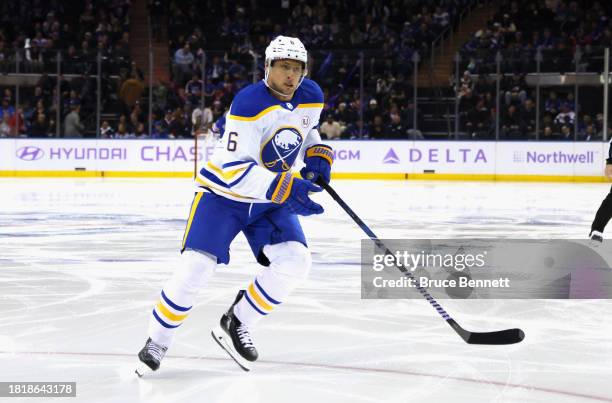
(30, 153)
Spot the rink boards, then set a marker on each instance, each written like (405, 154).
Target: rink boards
(396, 160)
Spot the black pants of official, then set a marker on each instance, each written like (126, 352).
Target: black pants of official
(603, 215)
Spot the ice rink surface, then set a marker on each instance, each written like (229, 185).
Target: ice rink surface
(82, 262)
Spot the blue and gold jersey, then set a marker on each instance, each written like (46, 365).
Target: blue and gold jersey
(263, 136)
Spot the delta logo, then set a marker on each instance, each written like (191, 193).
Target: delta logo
(391, 157)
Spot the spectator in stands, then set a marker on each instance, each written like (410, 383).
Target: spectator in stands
(372, 111)
(33, 57)
(330, 129)
(137, 115)
(38, 96)
(41, 126)
(548, 134)
(72, 123)
(441, 18)
(183, 63)
(160, 97)
(122, 132)
(106, 131)
(5, 127)
(507, 25)
(377, 128)
(396, 129)
(466, 83)
(158, 131)
(566, 133)
(193, 90)
(8, 94)
(466, 103)
(17, 123)
(477, 122)
(167, 121)
(131, 91)
(511, 124)
(136, 72)
(179, 127)
(528, 116)
(583, 123)
(552, 104)
(565, 117)
(218, 110)
(216, 70)
(343, 115)
(6, 109)
(590, 133)
(201, 119)
(353, 131)
(515, 88)
(141, 131)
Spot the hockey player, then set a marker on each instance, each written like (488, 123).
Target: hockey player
(248, 186)
(605, 210)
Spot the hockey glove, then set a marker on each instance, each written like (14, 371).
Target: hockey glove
(293, 193)
(319, 159)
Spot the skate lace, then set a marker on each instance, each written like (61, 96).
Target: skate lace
(245, 336)
(157, 351)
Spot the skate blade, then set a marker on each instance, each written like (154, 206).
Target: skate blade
(225, 342)
(594, 243)
(142, 369)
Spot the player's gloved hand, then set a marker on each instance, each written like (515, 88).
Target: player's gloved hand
(319, 159)
(293, 192)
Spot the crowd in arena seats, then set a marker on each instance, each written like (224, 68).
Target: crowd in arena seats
(557, 28)
(559, 111)
(213, 43)
(32, 32)
(518, 29)
(335, 32)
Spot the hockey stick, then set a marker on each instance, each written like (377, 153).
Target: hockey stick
(508, 336)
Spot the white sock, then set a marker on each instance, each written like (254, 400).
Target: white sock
(178, 295)
(289, 265)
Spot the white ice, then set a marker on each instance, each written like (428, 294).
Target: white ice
(82, 262)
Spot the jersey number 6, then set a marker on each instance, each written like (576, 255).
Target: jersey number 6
(231, 143)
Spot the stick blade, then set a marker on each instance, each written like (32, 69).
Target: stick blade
(500, 337)
(508, 336)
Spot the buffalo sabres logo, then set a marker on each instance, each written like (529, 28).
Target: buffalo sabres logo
(280, 151)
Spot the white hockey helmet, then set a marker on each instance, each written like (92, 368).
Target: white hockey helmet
(286, 47)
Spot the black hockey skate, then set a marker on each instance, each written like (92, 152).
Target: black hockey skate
(150, 357)
(235, 338)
